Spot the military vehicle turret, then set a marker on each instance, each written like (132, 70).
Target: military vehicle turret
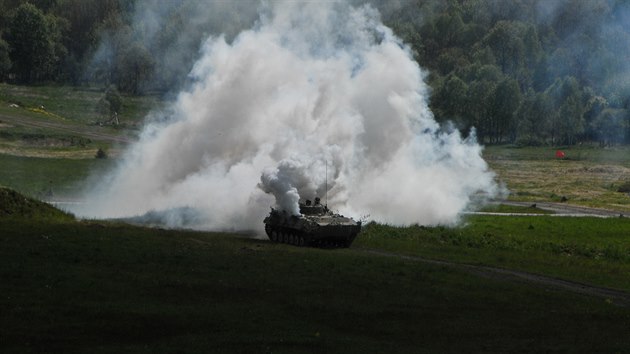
(317, 226)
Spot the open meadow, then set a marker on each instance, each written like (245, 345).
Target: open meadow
(93, 286)
(588, 175)
(490, 284)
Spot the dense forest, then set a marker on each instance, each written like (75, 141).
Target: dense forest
(529, 72)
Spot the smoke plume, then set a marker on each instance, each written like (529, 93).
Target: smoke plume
(315, 100)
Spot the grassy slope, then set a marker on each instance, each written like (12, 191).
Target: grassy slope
(95, 287)
(16, 205)
(80, 287)
(589, 250)
(47, 177)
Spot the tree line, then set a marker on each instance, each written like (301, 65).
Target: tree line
(529, 72)
(136, 46)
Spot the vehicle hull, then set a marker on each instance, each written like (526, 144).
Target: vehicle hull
(327, 230)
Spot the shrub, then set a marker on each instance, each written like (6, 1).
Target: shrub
(101, 154)
(624, 188)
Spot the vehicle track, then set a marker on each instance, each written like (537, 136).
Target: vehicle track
(568, 209)
(88, 132)
(616, 297)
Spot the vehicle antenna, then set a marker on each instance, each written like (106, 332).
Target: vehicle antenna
(326, 194)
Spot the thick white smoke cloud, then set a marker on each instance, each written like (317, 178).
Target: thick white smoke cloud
(314, 96)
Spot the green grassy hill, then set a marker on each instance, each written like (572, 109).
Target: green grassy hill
(15, 205)
(71, 286)
(95, 286)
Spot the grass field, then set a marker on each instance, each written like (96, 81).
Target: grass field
(47, 178)
(98, 286)
(589, 250)
(42, 142)
(47, 162)
(589, 176)
(65, 122)
(72, 104)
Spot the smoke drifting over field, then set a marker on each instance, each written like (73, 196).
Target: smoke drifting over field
(312, 88)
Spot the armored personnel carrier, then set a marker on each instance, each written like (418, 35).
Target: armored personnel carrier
(317, 227)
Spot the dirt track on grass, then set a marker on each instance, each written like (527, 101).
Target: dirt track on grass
(568, 210)
(617, 297)
(91, 132)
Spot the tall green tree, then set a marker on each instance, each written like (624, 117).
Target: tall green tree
(84, 18)
(5, 60)
(33, 39)
(450, 27)
(507, 100)
(533, 118)
(480, 99)
(451, 97)
(610, 126)
(135, 69)
(507, 46)
(568, 116)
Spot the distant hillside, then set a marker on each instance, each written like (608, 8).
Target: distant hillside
(14, 204)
